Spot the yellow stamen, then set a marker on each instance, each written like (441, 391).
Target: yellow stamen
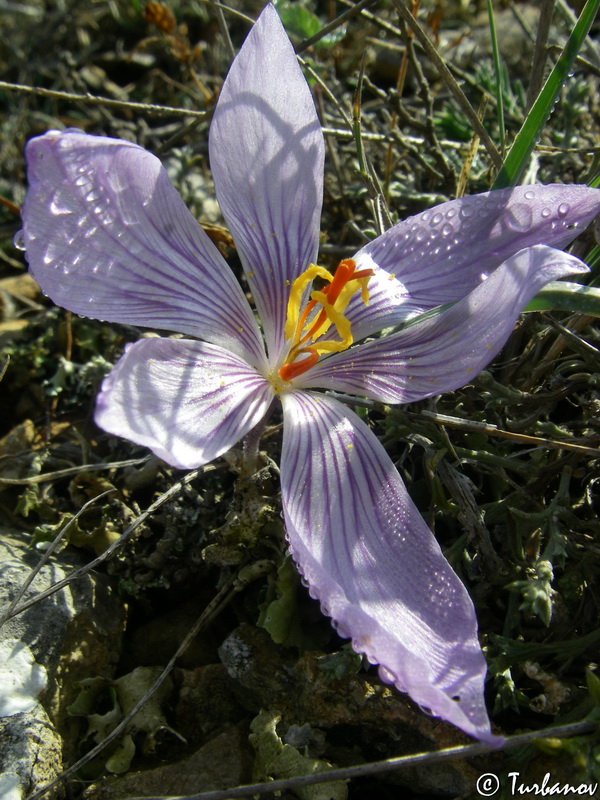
(296, 294)
(305, 330)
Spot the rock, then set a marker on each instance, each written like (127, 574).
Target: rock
(30, 754)
(372, 719)
(155, 641)
(206, 703)
(22, 679)
(45, 650)
(222, 763)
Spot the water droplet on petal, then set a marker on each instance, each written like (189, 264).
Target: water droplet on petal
(93, 196)
(19, 240)
(447, 229)
(546, 213)
(563, 209)
(466, 212)
(519, 217)
(529, 195)
(437, 218)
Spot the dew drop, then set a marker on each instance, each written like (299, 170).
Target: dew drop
(447, 229)
(19, 240)
(93, 196)
(450, 213)
(563, 209)
(466, 212)
(546, 213)
(529, 195)
(519, 217)
(437, 218)
(58, 205)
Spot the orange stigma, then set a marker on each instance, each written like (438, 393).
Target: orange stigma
(305, 328)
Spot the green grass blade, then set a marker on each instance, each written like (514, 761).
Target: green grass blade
(518, 156)
(498, 74)
(566, 296)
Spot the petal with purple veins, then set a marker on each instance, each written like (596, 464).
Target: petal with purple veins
(446, 351)
(445, 252)
(373, 563)
(266, 155)
(108, 236)
(187, 401)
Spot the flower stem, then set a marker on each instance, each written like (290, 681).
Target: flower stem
(251, 445)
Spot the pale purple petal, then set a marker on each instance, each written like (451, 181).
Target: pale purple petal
(108, 236)
(442, 254)
(373, 563)
(266, 155)
(187, 401)
(446, 351)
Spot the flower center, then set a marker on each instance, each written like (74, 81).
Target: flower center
(305, 327)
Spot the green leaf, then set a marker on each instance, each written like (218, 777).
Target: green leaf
(517, 159)
(120, 760)
(274, 759)
(593, 685)
(298, 20)
(566, 296)
(536, 591)
(280, 617)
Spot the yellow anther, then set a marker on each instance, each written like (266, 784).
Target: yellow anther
(305, 327)
(297, 293)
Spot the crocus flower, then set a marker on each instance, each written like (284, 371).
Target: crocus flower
(108, 237)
